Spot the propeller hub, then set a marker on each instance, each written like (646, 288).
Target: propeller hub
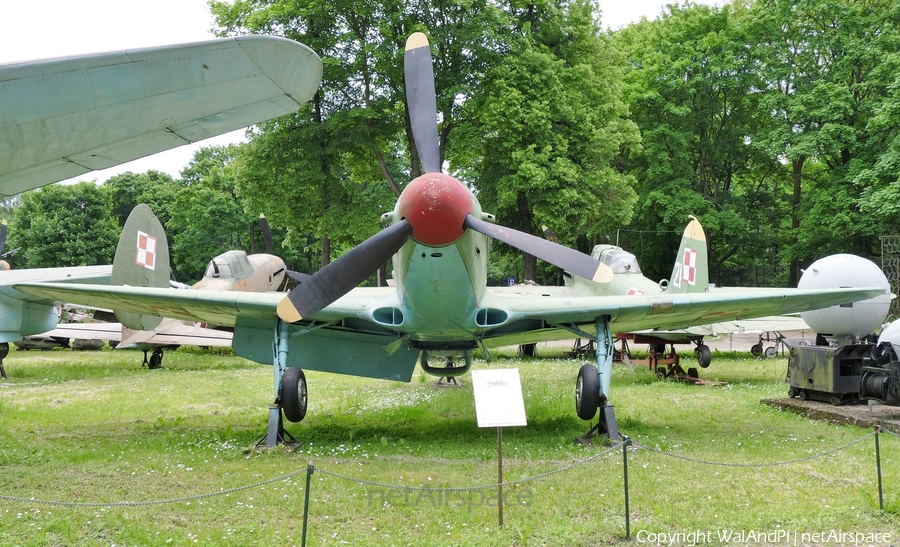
(436, 206)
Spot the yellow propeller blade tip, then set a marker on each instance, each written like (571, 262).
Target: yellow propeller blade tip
(287, 312)
(603, 274)
(416, 40)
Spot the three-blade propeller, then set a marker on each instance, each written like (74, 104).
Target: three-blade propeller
(427, 205)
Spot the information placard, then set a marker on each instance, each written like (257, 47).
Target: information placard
(498, 397)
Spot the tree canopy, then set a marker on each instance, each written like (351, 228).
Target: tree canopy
(772, 121)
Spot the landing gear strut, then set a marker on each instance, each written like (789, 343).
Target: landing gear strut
(291, 393)
(4, 351)
(155, 361)
(592, 385)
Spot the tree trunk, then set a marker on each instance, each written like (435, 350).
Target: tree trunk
(797, 169)
(326, 250)
(525, 224)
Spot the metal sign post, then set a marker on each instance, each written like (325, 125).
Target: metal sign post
(498, 403)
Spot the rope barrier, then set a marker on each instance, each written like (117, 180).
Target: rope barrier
(367, 482)
(153, 502)
(471, 488)
(769, 464)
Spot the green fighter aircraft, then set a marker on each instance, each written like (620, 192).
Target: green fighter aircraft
(440, 310)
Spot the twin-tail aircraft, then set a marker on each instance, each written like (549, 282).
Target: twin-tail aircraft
(60, 118)
(233, 270)
(440, 310)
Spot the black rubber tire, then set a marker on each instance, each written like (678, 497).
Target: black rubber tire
(294, 394)
(704, 356)
(587, 392)
(771, 352)
(155, 359)
(756, 349)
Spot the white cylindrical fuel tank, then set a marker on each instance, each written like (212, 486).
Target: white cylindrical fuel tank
(845, 270)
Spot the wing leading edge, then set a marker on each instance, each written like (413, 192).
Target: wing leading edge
(517, 315)
(60, 118)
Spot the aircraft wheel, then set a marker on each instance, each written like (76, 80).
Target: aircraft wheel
(4, 350)
(294, 394)
(801, 395)
(704, 356)
(793, 392)
(155, 359)
(771, 352)
(756, 349)
(587, 392)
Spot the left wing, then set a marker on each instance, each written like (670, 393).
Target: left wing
(178, 335)
(60, 118)
(515, 316)
(79, 274)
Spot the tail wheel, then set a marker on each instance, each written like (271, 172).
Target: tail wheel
(155, 359)
(293, 394)
(704, 356)
(587, 392)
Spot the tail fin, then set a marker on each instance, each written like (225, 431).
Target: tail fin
(142, 260)
(691, 271)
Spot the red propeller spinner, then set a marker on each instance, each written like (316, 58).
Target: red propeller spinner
(436, 206)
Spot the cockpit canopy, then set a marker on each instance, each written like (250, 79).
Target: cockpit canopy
(619, 260)
(228, 265)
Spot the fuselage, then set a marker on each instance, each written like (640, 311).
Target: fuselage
(238, 271)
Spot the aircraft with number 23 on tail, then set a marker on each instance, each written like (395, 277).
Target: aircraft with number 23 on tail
(440, 310)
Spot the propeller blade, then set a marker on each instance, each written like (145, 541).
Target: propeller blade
(341, 276)
(559, 255)
(267, 234)
(421, 101)
(299, 277)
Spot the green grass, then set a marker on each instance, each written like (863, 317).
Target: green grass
(95, 427)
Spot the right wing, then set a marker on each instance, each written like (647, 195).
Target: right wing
(61, 118)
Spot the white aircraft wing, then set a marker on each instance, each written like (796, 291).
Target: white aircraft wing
(61, 118)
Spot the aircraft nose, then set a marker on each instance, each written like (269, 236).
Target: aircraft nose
(436, 206)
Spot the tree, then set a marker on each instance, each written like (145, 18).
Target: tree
(334, 167)
(63, 225)
(540, 139)
(828, 66)
(692, 92)
(153, 188)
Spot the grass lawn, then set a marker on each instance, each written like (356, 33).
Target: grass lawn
(93, 427)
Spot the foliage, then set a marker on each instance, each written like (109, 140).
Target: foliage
(61, 225)
(153, 188)
(207, 218)
(692, 91)
(772, 121)
(540, 138)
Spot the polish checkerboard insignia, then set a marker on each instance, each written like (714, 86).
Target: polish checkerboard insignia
(689, 271)
(634, 291)
(146, 250)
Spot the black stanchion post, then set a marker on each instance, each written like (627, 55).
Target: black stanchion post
(309, 471)
(627, 441)
(500, 475)
(878, 466)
